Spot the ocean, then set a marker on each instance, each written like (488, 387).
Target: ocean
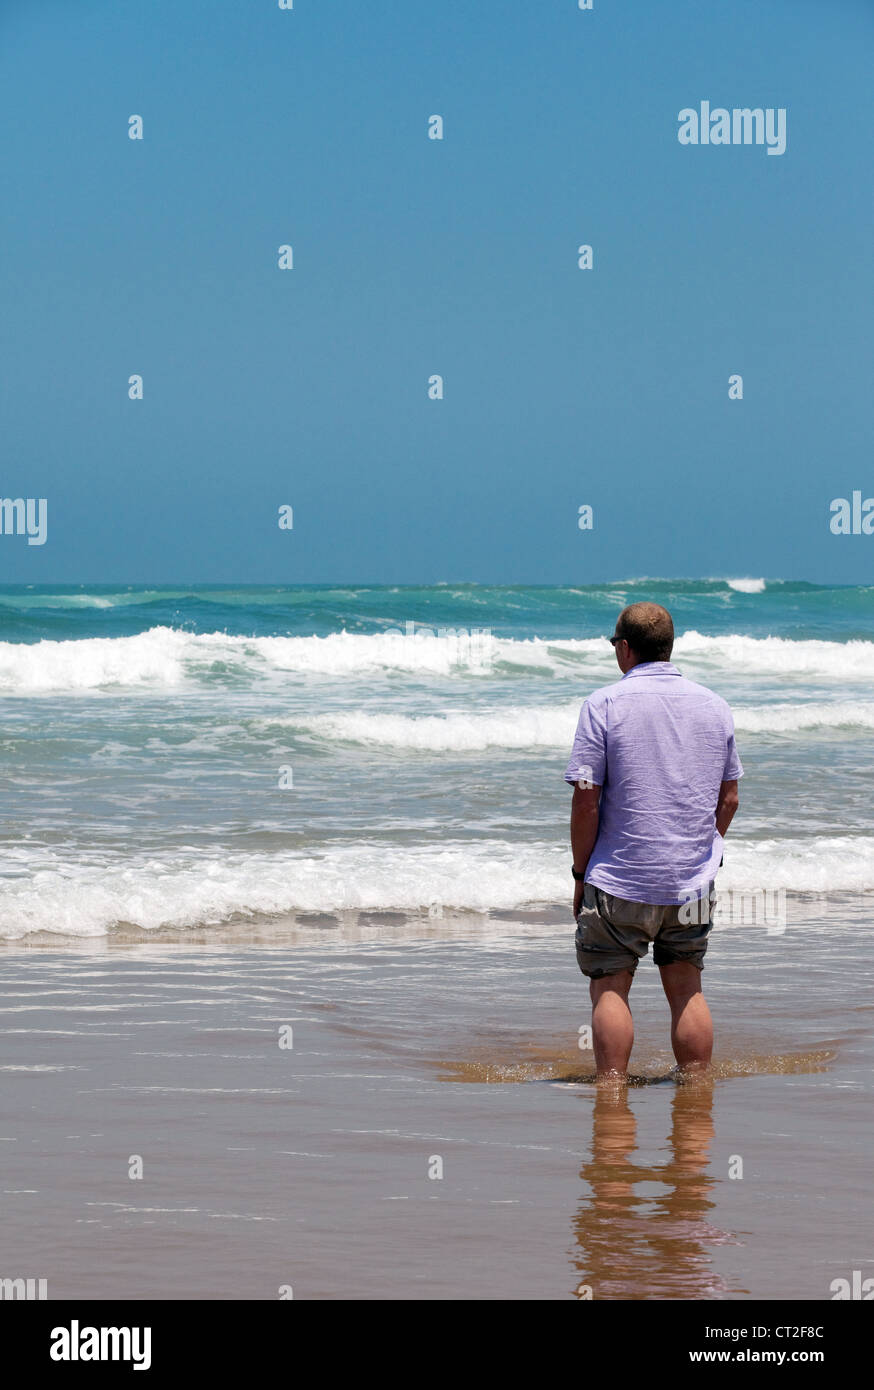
(288, 992)
(210, 757)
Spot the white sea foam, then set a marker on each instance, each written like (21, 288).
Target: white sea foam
(165, 658)
(775, 656)
(454, 732)
(186, 891)
(798, 718)
(151, 659)
(747, 586)
(550, 727)
(87, 901)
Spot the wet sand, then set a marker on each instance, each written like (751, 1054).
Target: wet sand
(417, 1048)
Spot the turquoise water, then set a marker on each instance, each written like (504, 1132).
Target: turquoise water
(796, 610)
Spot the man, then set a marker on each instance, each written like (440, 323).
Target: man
(655, 775)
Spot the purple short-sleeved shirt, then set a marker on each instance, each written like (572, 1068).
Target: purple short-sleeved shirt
(659, 746)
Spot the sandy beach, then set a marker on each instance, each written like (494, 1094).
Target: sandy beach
(417, 1046)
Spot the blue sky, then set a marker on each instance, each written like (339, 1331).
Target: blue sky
(412, 257)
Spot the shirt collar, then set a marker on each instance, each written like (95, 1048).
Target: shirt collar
(652, 668)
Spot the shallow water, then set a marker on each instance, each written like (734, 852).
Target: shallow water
(309, 1166)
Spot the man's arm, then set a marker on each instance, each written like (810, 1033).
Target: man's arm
(584, 833)
(726, 806)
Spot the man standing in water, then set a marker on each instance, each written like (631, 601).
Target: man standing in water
(655, 775)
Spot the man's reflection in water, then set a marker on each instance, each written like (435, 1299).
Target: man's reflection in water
(635, 1246)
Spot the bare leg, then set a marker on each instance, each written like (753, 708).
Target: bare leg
(691, 1024)
(612, 1027)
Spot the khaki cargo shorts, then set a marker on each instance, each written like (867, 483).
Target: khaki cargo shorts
(613, 934)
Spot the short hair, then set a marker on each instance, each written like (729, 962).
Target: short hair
(648, 629)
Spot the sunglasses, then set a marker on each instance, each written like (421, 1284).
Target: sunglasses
(614, 640)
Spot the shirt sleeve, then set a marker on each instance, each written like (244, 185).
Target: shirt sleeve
(733, 765)
(588, 761)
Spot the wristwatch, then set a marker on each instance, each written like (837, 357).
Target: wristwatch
(578, 876)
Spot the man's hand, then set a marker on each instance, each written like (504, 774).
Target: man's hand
(584, 833)
(578, 897)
